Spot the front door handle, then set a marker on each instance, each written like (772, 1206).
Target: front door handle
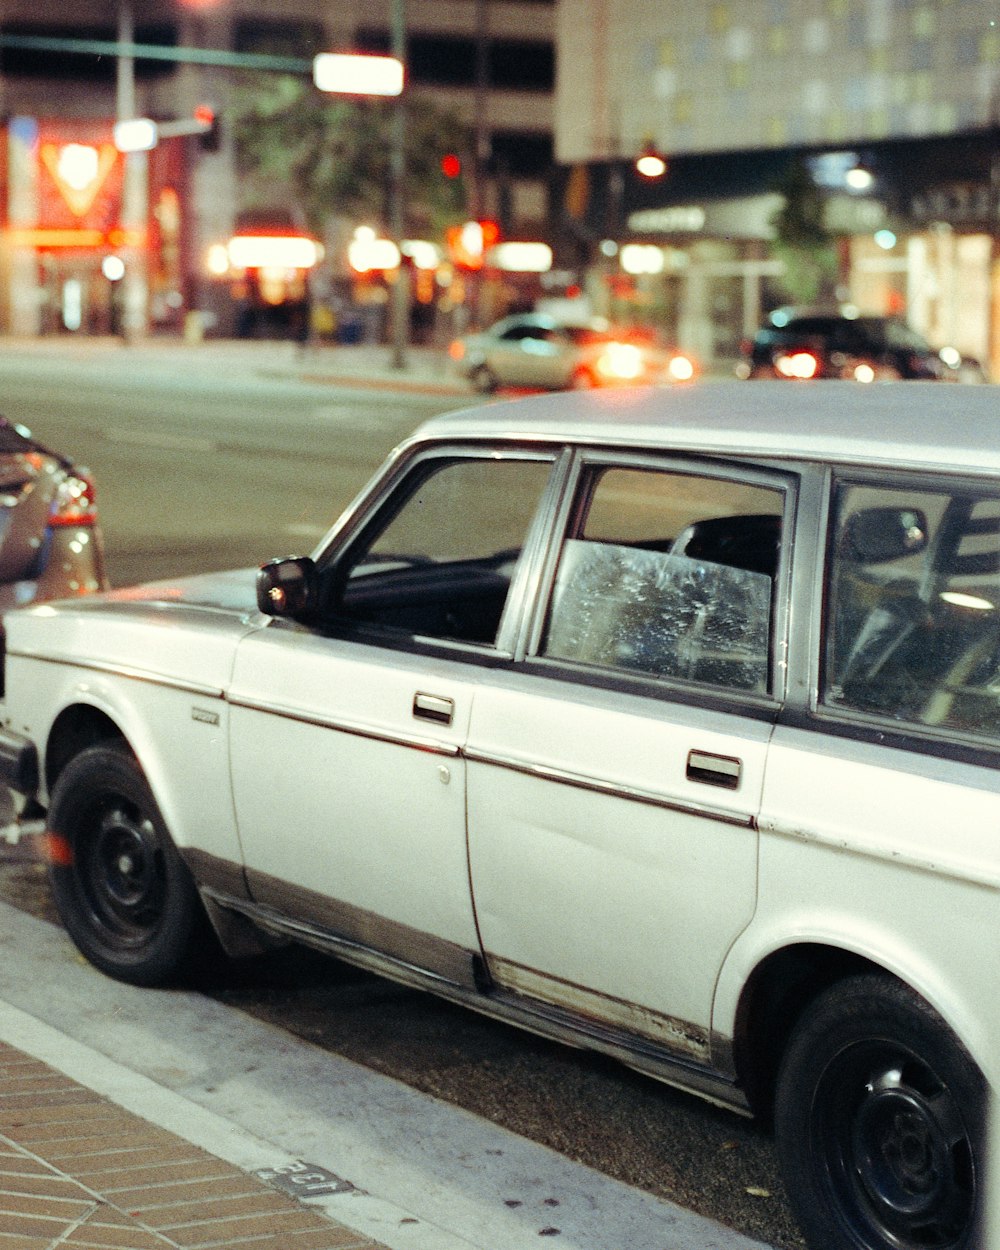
(714, 770)
(433, 707)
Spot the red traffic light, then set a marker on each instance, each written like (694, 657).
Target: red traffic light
(451, 166)
(205, 114)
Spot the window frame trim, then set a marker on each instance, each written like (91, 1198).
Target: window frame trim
(785, 481)
(859, 723)
(339, 545)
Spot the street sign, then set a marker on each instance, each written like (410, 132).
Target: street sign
(136, 134)
(350, 73)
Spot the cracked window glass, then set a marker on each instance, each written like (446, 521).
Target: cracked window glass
(670, 575)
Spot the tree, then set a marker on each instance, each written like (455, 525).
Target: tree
(331, 154)
(803, 243)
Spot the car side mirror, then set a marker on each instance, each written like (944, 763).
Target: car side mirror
(877, 535)
(287, 588)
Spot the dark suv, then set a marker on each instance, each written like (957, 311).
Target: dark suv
(814, 344)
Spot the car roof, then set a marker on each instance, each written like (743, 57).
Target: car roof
(549, 321)
(919, 425)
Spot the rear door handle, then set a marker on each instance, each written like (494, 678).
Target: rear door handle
(433, 707)
(714, 770)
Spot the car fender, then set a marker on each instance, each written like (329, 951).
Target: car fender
(884, 945)
(174, 732)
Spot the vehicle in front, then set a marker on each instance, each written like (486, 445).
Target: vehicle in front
(663, 722)
(541, 352)
(806, 344)
(50, 543)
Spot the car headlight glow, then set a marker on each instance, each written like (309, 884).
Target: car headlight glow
(681, 369)
(620, 362)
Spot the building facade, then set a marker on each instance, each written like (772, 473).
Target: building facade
(890, 105)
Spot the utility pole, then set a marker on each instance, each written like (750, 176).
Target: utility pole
(397, 192)
(135, 194)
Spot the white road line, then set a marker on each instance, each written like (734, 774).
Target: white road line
(305, 530)
(167, 442)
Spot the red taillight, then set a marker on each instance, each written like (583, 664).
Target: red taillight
(73, 502)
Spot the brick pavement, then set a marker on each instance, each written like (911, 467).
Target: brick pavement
(76, 1170)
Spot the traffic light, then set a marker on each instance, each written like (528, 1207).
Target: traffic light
(208, 138)
(451, 165)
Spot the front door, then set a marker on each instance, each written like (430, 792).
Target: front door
(347, 773)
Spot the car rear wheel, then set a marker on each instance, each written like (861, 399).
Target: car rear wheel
(125, 896)
(879, 1119)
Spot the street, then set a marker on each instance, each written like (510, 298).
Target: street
(210, 460)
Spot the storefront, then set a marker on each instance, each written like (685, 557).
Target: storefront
(912, 236)
(84, 232)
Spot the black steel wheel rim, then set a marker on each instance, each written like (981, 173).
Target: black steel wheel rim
(895, 1149)
(120, 870)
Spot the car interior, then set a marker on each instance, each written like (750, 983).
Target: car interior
(926, 647)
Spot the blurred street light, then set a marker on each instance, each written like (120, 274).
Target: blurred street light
(135, 191)
(650, 163)
(357, 74)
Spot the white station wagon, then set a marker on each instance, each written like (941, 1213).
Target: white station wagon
(665, 723)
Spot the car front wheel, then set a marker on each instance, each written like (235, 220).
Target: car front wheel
(121, 889)
(880, 1123)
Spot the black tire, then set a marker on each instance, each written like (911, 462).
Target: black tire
(125, 896)
(880, 1122)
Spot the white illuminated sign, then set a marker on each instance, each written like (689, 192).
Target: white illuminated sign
(272, 252)
(357, 74)
(138, 134)
(521, 257)
(365, 254)
(78, 165)
(642, 258)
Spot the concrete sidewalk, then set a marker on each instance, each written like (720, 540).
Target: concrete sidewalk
(423, 370)
(139, 1120)
(78, 1170)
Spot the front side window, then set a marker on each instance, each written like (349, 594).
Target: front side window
(913, 607)
(438, 557)
(669, 574)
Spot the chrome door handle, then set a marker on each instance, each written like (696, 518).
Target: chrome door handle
(433, 707)
(714, 770)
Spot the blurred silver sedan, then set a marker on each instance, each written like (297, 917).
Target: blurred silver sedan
(540, 352)
(50, 543)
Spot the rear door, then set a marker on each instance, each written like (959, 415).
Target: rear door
(615, 778)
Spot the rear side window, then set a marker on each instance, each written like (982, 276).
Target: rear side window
(671, 575)
(913, 607)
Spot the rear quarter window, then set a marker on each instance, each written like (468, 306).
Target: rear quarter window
(913, 608)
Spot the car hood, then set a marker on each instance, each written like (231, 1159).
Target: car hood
(181, 631)
(231, 591)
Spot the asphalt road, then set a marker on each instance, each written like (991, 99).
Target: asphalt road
(200, 467)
